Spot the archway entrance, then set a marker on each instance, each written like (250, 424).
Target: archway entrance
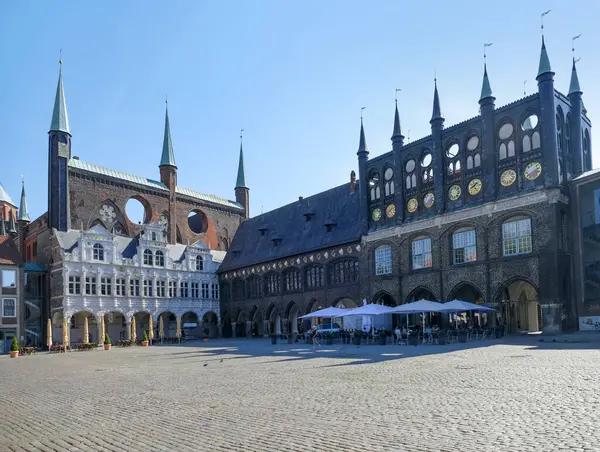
(258, 324)
(347, 323)
(142, 325)
(190, 327)
(169, 325)
(521, 311)
(210, 323)
(386, 322)
(421, 293)
(291, 325)
(115, 326)
(240, 325)
(471, 294)
(227, 330)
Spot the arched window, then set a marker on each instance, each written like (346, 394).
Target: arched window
(383, 260)
(254, 287)
(148, 257)
(160, 259)
(477, 160)
(98, 252)
(199, 263)
(531, 135)
(587, 154)
(374, 188)
(343, 271)
(421, 253)
(427, 174)
(272, 286)
(314, 277)
(473, 160)
(411, 178)
(516, 237)
(388, 177)
(292, 280)
(526, 143)
(453, 157)
(469, 162)
(506, 134)
(464, 246)
(238, 289)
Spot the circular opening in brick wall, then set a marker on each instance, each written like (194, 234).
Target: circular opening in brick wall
(197, 221)
(137, 210)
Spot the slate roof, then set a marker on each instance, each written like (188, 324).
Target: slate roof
(157, 185)
(288, 223)
(9, 253)
(4, 196)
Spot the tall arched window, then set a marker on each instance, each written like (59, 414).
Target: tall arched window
(374, 188)
(383, 260)
(474, 158)
(421, 253)
(506, 134)
(199, 263)
(342, 271)
(411, 177)
(314, 277)
(98, 252)
(292, 280)
(388, 176)
(453, 158)
(148, 257)
(160, 259)
(531, 135)
(272, 286)
(254, 287)
(464, 246)
(516, 237)
(427, 170)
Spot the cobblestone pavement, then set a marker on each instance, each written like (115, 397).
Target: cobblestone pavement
(253, 396)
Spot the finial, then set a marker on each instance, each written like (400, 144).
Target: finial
(525, 88)
(60, 58)
(485, 46)
(22, 180)
(434, 75)
(361, 110)
(397, 89)
(573, 44)
(241, 134)
(166, 99)
(542, 21)
(408, 137)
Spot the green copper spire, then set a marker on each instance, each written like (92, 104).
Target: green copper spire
(574, 85)
(486, 89)
(437, 112)
(241, 175)
(544, 60)
(168, 157)
(60, 120)
(362, 144)
(23, 211)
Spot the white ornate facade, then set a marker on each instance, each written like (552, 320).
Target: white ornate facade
(121, 277)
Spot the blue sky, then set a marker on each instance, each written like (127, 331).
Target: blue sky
(292, 74)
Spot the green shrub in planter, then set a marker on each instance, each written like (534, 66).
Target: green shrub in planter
(106, 339)
(145, 338)
(14, 346)
(382, 337)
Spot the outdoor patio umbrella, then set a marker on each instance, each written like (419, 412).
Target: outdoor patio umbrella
(420, 306)
(65, 334)
(49, 334)
(150, 328)
(370, 310)
(327, 313)
(462, 306)
(86, 332)
(133, 330)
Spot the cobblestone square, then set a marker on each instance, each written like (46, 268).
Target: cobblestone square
(228, 395)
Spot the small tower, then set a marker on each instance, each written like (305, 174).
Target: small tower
(488, 154)
(397, 143)
(168, 176)
(363, 183)
(397, 137)
(22, 221)
(545, 79)
(437, 126)
(575, 96)
(242, 192)
(59, 154)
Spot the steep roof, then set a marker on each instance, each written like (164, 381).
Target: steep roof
(115, 174)
(9, 253)
(4, 196)
(168, 157)
(60, 120)
(255, 239)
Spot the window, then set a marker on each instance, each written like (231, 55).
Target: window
(172, 289)
(98, 252)
(314, 277)
(427, 176)
(120, 287)
(388, 176)
(421, 253)
(254, 287)
(74, 285)
(199, 263)
(9, 307)
(272, 284)
(105, 286)
(411, 177)
(134, 288)
(453, 157)
(292, 281)
(215, 291)
(464, 246)
(147, 287)
(159, 259)
(195, 290)
(205, 293)
(160, 288)
(507, 144)
(383, 260)
(90, 285)
(516, 237)
(238, 289)
(9, 279)
(374, 186)
(343, 272)
(148, 257)
(184, 290)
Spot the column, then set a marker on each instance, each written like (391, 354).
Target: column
(128, 328)
(220, 330)
(233, 329)
(248, 328)
(266, 331)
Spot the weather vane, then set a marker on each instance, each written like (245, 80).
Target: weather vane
(525, 88)
(361, 110)
(573, 45)
(60, 57)
(397, 89)
(241, 134)
(166, 99)
(542, 20)
(485, 46)
(408, 137)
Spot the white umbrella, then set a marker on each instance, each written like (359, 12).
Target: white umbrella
(370, 310)
(462, 306)
(418, 306)
(327, 313)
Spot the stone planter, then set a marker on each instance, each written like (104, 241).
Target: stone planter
(107, 347)
(356, 340)
(145, 343)
(14, 354)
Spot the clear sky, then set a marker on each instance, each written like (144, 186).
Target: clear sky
(293, 74)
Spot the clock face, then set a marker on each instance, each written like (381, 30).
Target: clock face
(428, 200)
(376, 215)
(508, 177)
(475, 186)
(390, 210)
(533, 170)
(412, 205)
(454, 192)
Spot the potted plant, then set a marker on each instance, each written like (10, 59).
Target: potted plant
(273, 339)
(14, 348)
(413, 339)
(291, 338)
(356, 336)
(328, 338)
(441, 337)
(382, 337)
(107, 344)
(462, 336)
(145, 341)
(206, 332)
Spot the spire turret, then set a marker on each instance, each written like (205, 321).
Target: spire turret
(60, 120)
(544, 66)
(362, 144)
(241, 174)
(23, 211)
(574, 85)
(2, 227)
(11, 224)
(168, 157)
(486, 89)
(437, 113)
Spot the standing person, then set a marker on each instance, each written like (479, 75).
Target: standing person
(315, 341)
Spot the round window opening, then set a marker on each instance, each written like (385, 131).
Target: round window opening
(452, 151)
(530, 123)
(137, 212)
(374, 179)
(473, 143)
(505, 131)
(426, 160)
(410, 166)
(197, 222)
(389, 173)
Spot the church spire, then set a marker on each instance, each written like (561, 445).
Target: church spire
(23, 210)
(437, 114)
(60, 120)
(544, 66)
(241, 174)
(574, 85)
(362, 144)
(486, 89)
(168, 157)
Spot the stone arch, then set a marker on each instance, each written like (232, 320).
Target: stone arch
(383, 297)
(518, 301)
(115, 324)
(142, 323)
(290, 325)
(257, 319)
(169, 324)
(275, 321)
(240, 322)
(466, 291)
(421, 292)
(97, 222)
(147, 209)
(108, 215)
(210, 324)
(313, 305)
(197, 221)
(226, 322)
(76, 330)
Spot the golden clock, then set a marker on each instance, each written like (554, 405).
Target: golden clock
(475, 186)
(412, 205)
(508, 177)
(533, 170)
(428, 200)
(390, 210)
(454, 192)
(376, 215)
